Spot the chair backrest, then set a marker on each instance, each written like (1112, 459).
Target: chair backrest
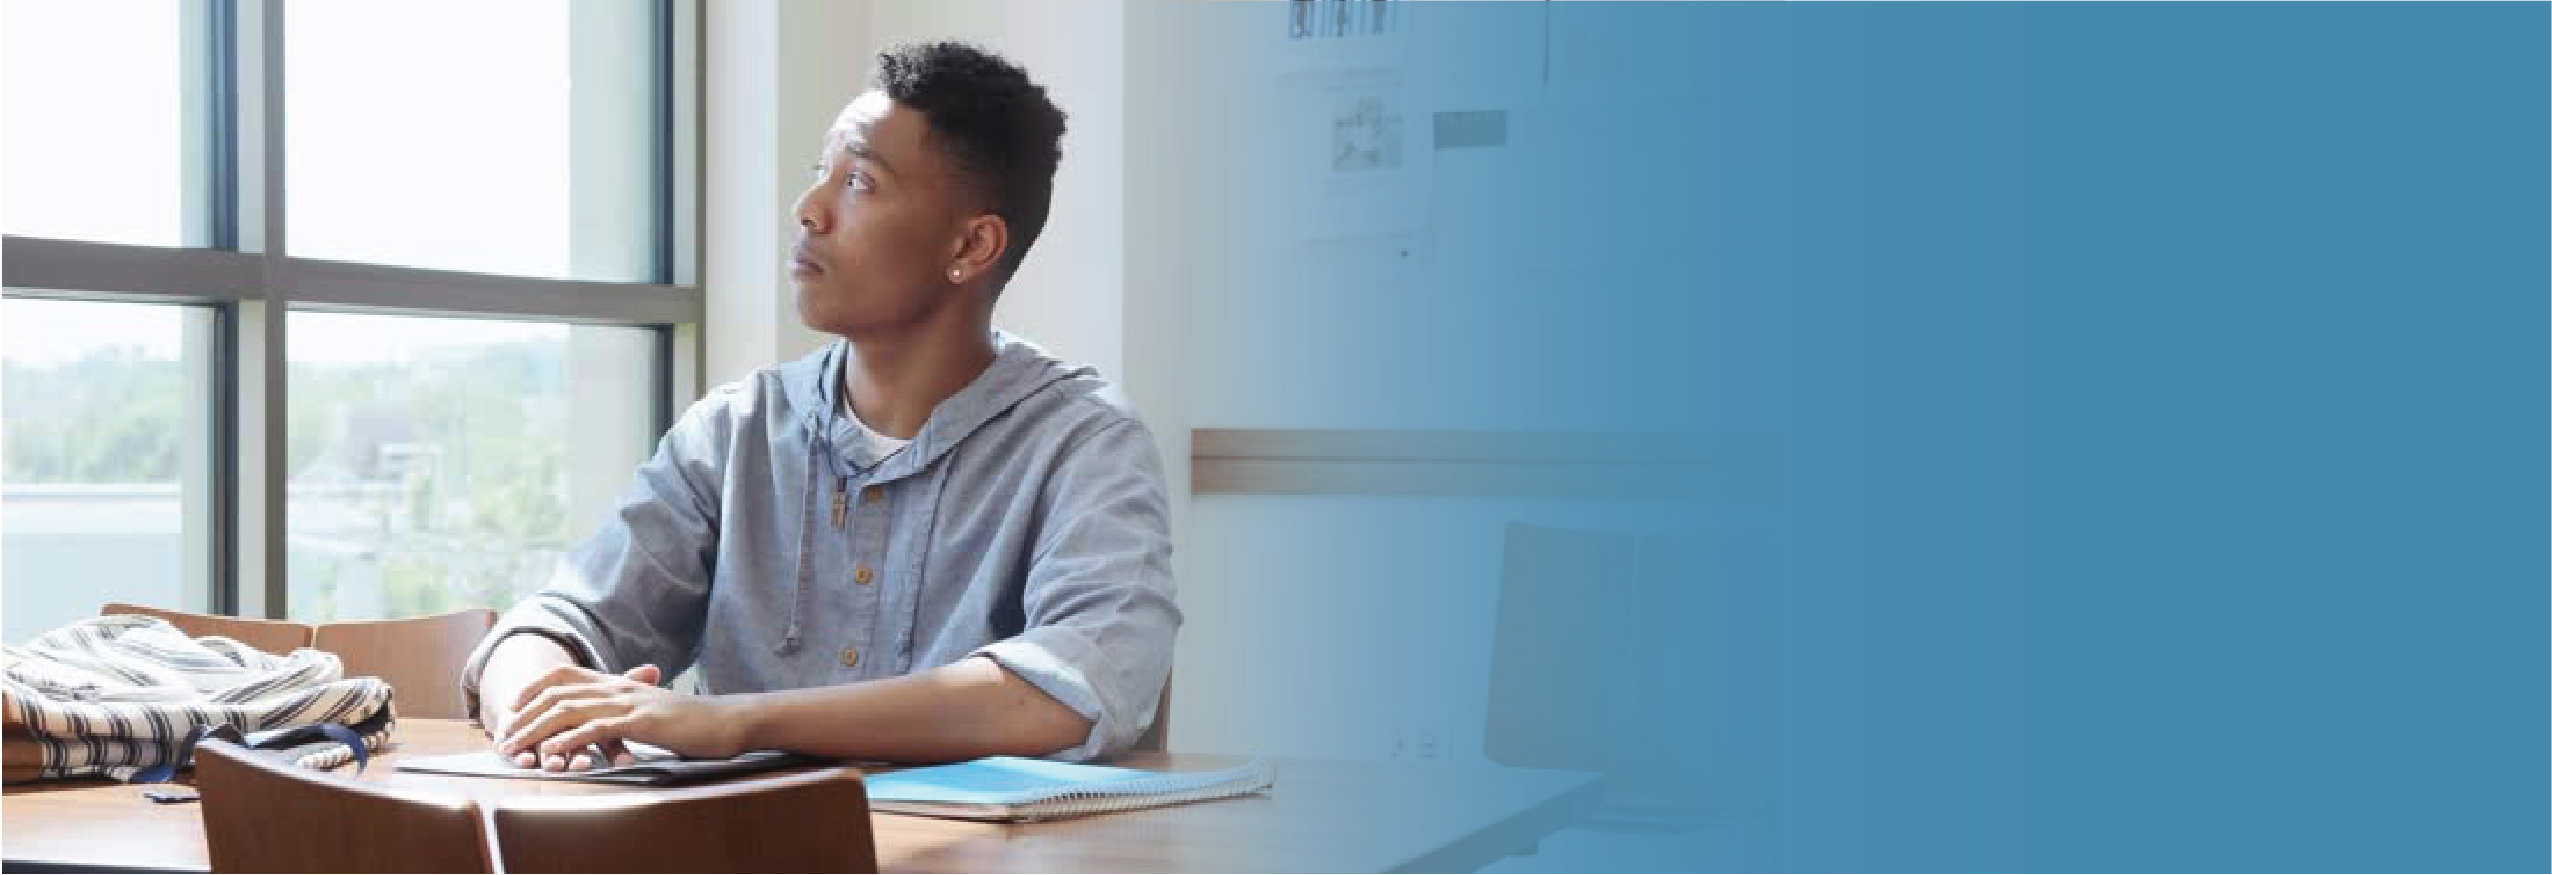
(421, 658)
(1613, 648)
(262, 814)
(1157, 737)
(271, 636)
(810, 822)
(1563, 602)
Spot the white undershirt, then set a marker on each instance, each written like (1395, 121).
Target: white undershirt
(869, 446)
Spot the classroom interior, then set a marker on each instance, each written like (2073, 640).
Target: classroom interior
(505, 267)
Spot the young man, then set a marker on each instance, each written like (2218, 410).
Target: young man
(927, 541)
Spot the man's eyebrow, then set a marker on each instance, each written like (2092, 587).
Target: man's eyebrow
(860, 150)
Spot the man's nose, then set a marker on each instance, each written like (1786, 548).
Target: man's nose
(810, 214)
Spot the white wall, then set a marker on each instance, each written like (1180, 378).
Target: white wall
(779, 70)
(774, 73)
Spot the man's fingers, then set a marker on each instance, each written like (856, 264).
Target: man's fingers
(550, 698)
(575, 742)
(537, 728)
(567, 717)
(539, 683)
(550, 701)
(555, 676)
(538, 696)
(558, 718)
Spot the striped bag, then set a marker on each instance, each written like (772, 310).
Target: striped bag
(116, 695)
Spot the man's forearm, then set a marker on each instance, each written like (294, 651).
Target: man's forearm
(967, 709)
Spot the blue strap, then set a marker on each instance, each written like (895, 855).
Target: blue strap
(296, 736)
(185, 755)
(272, 739)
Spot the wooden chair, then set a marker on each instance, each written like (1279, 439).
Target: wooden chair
(21, 755)
(421, 658)
(262, 814)
(811, 822)
(271, 636)
(1645, 657)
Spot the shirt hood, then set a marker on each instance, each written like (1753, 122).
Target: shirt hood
(1019, 370)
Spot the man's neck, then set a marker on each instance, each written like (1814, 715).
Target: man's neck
(896, 380)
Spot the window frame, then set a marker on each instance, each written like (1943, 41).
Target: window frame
(247, 275)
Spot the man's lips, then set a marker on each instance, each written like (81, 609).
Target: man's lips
(802, 263)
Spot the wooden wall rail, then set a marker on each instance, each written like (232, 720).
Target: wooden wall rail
(1712, 466)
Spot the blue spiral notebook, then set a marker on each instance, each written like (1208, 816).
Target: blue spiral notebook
(1021, 789)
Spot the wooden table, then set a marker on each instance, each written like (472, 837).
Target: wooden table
(1323, 815)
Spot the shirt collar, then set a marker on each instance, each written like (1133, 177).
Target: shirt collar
(1019, 369)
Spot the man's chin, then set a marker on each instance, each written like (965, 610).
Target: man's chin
(815, 314)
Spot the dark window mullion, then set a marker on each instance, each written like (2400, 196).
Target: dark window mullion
(223, 79)
(222, 37)
(661, 151)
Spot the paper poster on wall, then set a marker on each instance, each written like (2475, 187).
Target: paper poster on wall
(1362, 151)
(1367, 154)
(1333, 33)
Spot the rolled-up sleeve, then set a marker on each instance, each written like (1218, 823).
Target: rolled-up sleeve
(637, 591)
(1101, 609)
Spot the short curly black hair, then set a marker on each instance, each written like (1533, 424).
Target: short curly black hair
(1005, 135)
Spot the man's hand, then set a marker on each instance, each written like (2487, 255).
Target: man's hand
(503, 710)
(572, 710)
(519, 662)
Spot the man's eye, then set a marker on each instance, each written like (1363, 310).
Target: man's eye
(856, 179)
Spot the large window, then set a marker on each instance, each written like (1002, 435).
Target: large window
(106, 493)
(327, 309)
(106, 120)
(488, 135)
(446, 463)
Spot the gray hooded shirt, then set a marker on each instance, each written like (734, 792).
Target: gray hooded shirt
(1026, 522)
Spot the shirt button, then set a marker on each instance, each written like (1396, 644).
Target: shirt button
(851, 657)
(873, 494)
(863, 574)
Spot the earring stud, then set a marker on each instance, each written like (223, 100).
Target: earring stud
(954, 273)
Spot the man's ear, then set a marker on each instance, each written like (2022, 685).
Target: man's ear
(980, 245)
